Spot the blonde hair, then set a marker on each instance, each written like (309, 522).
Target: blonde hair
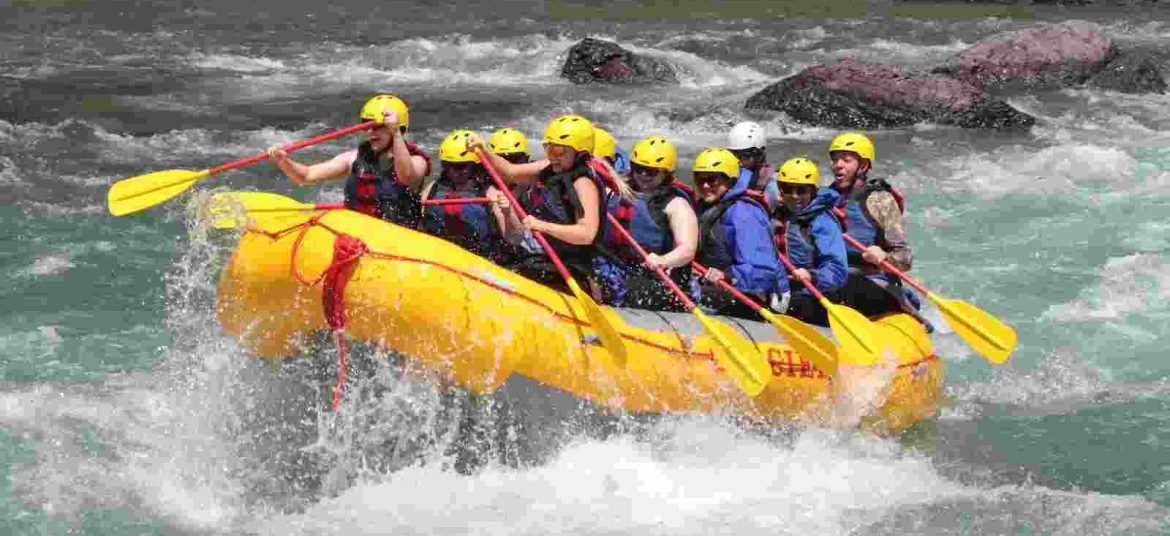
(623, 186)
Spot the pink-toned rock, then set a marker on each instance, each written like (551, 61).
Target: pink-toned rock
(1053, 58)
(854, 95)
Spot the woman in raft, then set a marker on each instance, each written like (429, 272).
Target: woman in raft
(565, 202)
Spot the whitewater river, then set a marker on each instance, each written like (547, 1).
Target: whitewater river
(124, 410)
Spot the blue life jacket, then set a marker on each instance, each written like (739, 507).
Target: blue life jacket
(621, 161)
(859, 223)
(763, 182)
(761, 274)
(812, 240)
(469, 225)
(646, 221)
(373, 188)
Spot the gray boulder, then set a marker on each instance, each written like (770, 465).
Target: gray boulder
(597, 61)
(864, 96)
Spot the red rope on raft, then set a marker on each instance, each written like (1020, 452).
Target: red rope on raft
(347, 250)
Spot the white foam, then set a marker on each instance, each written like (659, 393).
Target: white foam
(696, 479)
(888, 51)
(1061, 383)
(49, 264)
(1129, 284)
(1017, 169)
(235, 62)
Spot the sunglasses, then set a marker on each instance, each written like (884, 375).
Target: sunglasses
(458, 167)
(708, 178)
(637, 169)
(748, 153)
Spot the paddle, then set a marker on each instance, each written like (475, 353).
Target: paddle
(742, 361)
(988, 335)
(262, 206)
(458, 201)
(805, 339)
(854, 332)
(610, 338)
(145, 191)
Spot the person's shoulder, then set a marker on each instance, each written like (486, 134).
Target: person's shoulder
(348, 157)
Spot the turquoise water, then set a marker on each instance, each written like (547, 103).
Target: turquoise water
(124, 410)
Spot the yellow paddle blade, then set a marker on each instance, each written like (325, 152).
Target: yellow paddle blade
(740, 359)
(229, 209)
(855, 333)
(988, 335)
(806, 340)
(610, 338)
(145, 191)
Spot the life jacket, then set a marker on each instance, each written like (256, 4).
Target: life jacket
(859, 223)
(645, 219)
(795, 241)
(714, 250)
(469, 225)
(376, 191)
(552, 198)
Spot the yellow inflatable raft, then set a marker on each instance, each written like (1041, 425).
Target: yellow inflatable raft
(477, 323)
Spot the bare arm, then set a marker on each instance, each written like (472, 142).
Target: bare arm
(304, 175)
(519, 173)
(585, 229)
(684, 225)
(884, 209)
(409, 169)
(509, 222)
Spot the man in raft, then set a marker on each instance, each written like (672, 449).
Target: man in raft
(661, 219)
(873, 216)
(735, 239)
(475, 227)
(748, 141)
(810, 236)
(385, 171)
(563, 195)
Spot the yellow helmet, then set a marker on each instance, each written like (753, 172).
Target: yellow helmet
(604, 145)
(655, 152)
(799, 171)
(377, 107)
(572, 131)
(854, 142)
(508, 141)
(718, 160)
(454, 148)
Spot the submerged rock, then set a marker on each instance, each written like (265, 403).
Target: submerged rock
(854, 95)
(595, 60)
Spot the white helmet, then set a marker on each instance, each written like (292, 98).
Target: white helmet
(746, 135)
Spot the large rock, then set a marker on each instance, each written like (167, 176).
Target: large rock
(594, 60)
(854, 95)
(1131, 71)
(1053, 58)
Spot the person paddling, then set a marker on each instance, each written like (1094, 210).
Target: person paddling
(385, 171)
(475, 227)
(662, 220)
(735, 239)
(565, 201)
(810, 236)
(873, 216)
